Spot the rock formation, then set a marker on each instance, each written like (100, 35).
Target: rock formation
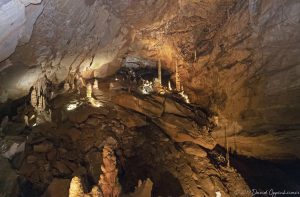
(108, 180)
(34, 98)
(95, 85)
(76, 188)
(108, 185)
(89, 90)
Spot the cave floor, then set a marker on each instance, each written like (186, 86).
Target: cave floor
(72, 143)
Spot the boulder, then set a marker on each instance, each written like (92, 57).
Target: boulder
(58, 187)
(147, 107)
(8, 179)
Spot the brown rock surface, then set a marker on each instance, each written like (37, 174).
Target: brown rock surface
(180, 132)
(58, 187)
(43, 147)
(195, 150)
(146, 107)
(131, 119)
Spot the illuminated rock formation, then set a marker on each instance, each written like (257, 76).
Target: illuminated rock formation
(108, 181)
(95, 85)
(76, 188)
(34, 98)
(89, 90)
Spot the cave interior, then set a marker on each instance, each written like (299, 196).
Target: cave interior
(149, 98)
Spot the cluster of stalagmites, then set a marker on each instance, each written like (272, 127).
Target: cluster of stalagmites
(108, 185)
(38, 100)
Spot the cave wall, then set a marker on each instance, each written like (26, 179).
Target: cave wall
(257, 57)
(238, 58)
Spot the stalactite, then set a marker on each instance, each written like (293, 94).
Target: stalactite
(177, 78)
(227, 151)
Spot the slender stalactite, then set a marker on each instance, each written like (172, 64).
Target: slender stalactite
(177, 78)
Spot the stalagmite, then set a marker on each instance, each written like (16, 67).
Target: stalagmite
(109, 179)
(169, 86)
(96, 192)
(95, 86)
(33, 98)
(89, 90)
(41, 104)
(108, 185)
(76, 188)
(159, 72)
